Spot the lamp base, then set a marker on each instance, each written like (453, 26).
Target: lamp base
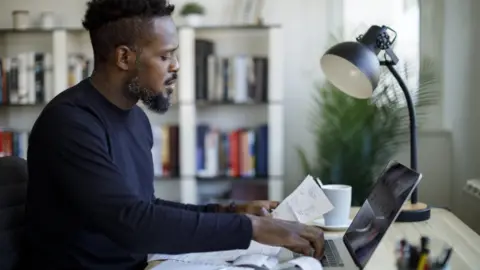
(414, 213)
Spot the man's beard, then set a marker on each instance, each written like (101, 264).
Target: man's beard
(159, 103)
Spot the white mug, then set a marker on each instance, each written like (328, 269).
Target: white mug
(341, 198)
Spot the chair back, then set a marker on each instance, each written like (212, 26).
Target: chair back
(13, 191)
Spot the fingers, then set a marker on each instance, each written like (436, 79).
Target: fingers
(264, 212)
(273, 204)
(312, 237)
(306, 251)
(299, 245)
(318, 245)
(316, 239)
(269, 205)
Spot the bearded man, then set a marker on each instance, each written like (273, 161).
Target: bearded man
(90, 202)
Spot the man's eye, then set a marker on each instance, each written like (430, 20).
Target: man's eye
(165, 58)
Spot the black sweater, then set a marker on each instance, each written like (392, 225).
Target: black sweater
(90, 202)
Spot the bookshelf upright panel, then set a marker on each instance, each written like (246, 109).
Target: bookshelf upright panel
(276, 65)
(60, 63)
(187, 116)
(275, 114)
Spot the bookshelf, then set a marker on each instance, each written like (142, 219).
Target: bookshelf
(189, 111)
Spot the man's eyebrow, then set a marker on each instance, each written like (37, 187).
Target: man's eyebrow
(171, 48)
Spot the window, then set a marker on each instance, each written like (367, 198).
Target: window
(401, 15)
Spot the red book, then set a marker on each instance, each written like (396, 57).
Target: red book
(8, 143)
(235, 153)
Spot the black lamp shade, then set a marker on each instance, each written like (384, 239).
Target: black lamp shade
(352, 68)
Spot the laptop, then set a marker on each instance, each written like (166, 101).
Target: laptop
(382, 206)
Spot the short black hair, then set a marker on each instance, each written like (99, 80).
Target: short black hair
(112, 23)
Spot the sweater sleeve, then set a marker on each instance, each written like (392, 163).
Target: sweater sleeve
(208, 208)
(97, 190)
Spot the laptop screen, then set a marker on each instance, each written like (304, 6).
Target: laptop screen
(379, 211)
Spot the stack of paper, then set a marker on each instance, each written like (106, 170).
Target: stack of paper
(178, 265)
(305, 204)
(244, 262)
(219, 256)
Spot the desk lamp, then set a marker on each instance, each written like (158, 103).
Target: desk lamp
(354, 68)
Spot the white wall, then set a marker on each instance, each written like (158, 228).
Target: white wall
(450, 34)
(307, 25)
(461, 95)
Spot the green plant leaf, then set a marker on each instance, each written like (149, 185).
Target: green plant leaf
(192, 8)
(304, 161)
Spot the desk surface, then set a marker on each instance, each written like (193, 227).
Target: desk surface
(442, 225)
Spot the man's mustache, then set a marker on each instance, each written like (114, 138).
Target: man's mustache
(172, 79)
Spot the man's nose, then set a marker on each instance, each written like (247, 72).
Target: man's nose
(175, 65)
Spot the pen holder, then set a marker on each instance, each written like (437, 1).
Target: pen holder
(446, 267)
(426, 253)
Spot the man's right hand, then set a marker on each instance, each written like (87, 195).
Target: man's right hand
(294, 236)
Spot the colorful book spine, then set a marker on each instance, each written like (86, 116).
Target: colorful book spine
(241, 153)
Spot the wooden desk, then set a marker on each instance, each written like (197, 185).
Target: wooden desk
(443, 225)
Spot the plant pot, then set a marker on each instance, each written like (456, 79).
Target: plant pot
(194, 20)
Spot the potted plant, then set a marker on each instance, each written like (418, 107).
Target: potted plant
(193, 13)
(356, 138)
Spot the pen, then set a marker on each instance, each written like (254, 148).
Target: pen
(414, 257)
(423, 261)
(447, 256)
(404, 255)
(424, 241)
(400, 252)
(424, 253)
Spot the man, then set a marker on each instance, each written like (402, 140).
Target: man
(90, 197)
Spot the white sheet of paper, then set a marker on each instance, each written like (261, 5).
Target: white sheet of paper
(257, 260)
(284, 212)
(306, 203)
(207, 257)
(309, 202)
(307, 263)
(177, 265)
(220, 256)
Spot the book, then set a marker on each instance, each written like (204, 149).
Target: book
(13, 142)
(26, 78)
(240, 153)
(165, 151)
(229, 78)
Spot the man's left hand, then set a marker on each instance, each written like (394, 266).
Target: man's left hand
(257, 208)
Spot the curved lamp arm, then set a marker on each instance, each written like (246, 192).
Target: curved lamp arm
(413, 122)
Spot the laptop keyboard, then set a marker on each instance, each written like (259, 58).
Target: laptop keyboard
(331, 256)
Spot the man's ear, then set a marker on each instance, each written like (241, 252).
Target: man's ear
(125, 57)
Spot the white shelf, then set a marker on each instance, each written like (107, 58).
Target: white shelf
(266, 39)
(60, 63)
(188, 113)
